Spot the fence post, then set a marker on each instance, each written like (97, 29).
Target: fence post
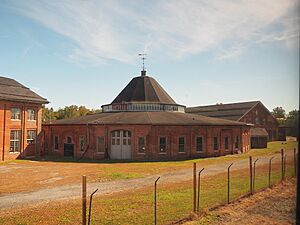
(90, 208)
(84, 200)
(282, 164)
(194, 186)
(228, 183)
(295, 163)
(251, 179)
(270, 161)
(254, 172)
(198, 200)
(155, 200)
(284, 167)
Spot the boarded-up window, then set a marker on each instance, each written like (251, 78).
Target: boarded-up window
(237, 141)
(199, 144)
(69, 140)
(141, 145)
(216, 146)
(81, 143)
(55, 142)
(162, 144)
(226, 144)
(100, 145)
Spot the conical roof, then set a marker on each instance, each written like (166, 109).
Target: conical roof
(143, 89)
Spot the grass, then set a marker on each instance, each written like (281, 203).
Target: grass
(43, 173)
(120, 175)
(136, 206)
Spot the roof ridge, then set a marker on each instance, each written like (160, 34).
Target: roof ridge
(233, 103)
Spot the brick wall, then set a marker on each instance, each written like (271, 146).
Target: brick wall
(6, 125)
(261, 117)
(152, 133)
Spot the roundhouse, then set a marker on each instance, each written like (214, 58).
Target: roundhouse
(144, 123)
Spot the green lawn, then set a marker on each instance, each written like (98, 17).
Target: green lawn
(136, 207)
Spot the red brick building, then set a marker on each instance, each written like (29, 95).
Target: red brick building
(144, 123)
(266, 127)
(20, 120)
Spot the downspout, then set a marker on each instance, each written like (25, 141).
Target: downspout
(242, 141)
(232, 142)
(206, 143)
(4, 124)
(191, 143)
(23, 130)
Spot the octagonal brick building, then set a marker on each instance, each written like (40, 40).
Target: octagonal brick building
(144, 123)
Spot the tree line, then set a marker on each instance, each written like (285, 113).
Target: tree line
(289, 120)
(68, 112)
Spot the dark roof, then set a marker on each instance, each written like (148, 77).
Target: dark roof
(231, 111)
(258, 132)
(143, 89)
(153, 118)
(12, 90)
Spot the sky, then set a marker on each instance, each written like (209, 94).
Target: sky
(201, 52)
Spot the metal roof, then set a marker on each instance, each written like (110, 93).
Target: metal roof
(12, 90)
(143, 89)
(258, 132)
(231, 111)
(148, 118)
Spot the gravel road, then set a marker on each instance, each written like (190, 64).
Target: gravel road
(74, 191)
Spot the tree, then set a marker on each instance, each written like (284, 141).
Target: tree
(68, 112)
(48, 115)
(292, 123)
(279, 113)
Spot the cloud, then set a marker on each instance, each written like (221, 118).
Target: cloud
(119, 30)
(232, 52)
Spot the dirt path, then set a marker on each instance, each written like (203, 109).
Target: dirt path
(272, 206)
(74, 191)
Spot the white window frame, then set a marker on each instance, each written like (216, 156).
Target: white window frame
(31, 112)
(184, 144)
(201, 144)
(13, 113)
(32, 138)
(16, 141)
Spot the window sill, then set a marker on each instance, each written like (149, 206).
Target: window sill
(141, 153)
(16, 120)
(162, 153)
(14, 152)
(199, 152)
(181, 152)
(31, 120)
(56, 150)
(100, 153)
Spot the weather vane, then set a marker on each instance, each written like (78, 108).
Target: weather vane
(142, 55)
